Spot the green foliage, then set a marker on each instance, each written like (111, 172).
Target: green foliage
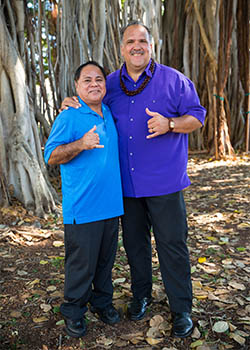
(57, 262)
(210, 251)
(56, 309)
(240, 249)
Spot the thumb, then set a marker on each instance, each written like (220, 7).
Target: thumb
(152, 114)
(93, 129)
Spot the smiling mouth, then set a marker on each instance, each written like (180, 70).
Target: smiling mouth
(137, 53)
(94, 91)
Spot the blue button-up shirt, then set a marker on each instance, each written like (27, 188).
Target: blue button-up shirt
(91, 182)
(157, 166)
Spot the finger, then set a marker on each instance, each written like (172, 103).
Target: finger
(153, 135)
(63, 109)
(150, 112)
(77, 103)
(99, 146)
(151, 123)
(151, 130)
(93, 129)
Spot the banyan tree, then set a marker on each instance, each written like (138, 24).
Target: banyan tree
(43, 41)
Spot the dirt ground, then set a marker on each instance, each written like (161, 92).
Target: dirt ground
(31, 274)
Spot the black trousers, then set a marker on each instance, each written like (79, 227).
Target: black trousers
(89, 257)
(167, 215)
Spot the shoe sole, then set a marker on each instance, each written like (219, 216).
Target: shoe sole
(185, 335)
(132, 318)
(72, 334)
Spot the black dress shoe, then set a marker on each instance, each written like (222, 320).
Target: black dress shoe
(138, 307)
(75, 328)
(182, 324)
(108, 314)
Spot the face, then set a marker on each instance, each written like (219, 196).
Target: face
(91, 85)
(136, 48)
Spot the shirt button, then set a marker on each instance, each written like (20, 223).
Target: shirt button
(132, 169)
(131, 119)
(130, 153)
(153, 101)
(134, 85)
(130, 137)
(132, 101)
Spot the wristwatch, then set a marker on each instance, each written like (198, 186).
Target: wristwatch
(171, 124)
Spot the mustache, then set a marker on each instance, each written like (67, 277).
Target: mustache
(133, 52)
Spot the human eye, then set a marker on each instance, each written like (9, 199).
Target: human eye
(100, 80)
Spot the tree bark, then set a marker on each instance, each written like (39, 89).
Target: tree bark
(22, 166)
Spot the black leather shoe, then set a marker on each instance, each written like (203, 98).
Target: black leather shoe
(75, 328)
(182, 324)
(138, 307)
(108, 314)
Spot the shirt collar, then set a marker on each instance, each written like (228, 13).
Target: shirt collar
(84, 105)
(147, 71)
(86, 108)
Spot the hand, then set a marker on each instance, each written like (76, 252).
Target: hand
(157, 125)
(69, 102)
(91, 140)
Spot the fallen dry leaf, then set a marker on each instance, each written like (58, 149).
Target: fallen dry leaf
(51, 289)
(152, 341)
(119, 280)
(44, 262)
(131, 335)
(220, 327)
(22, 273)
(46, 307)
(237, 285)
(40, 319)
(156, 321)
(196, 343)
(196, 333)
(9, 269)
(153, 332)
(104, 341)
(240, 340)
(15, 314)
(58, 243)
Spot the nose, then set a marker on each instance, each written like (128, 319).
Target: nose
(137, 45)
(93, 83)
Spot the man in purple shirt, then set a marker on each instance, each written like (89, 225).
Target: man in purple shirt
(154, 108)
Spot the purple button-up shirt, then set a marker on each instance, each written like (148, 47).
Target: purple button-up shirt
(157, 166)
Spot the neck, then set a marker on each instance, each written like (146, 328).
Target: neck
(97, 109)
(135, 73)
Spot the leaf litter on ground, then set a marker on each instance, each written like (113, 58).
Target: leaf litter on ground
(31, 282)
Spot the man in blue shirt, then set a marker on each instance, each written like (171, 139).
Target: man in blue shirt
(154, 107)
(84, 142)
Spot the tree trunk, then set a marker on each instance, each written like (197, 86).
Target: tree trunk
(226, 25)
(22, 166)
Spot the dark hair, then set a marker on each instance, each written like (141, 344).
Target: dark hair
(135, 23)
(79, 69)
